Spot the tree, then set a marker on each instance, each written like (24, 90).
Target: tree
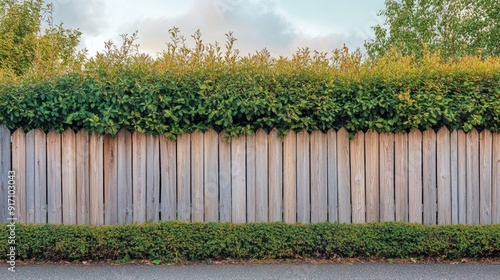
(455, 28)
(30, 40)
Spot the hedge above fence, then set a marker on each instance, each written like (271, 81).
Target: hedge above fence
(393, 95)
(174, 241)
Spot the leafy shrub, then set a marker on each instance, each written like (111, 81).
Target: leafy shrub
(174, 241)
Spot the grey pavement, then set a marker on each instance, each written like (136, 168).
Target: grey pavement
(257, 271)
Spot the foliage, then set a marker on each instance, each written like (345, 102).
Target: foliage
(30, 42)
(204, 87)
(176, 241)
(455, 28)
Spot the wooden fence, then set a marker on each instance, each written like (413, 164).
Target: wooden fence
(81, 178)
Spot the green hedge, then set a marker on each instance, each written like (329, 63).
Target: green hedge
(174, 241)
(383, 96)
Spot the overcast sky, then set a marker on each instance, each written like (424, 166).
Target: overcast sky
(281, 26)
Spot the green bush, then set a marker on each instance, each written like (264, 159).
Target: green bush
(174, 241)
(184, 90)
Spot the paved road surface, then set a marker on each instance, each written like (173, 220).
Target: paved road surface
(264, 271)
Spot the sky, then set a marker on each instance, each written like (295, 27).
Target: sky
(280, 26)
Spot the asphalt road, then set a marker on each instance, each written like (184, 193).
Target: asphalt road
(263, 271)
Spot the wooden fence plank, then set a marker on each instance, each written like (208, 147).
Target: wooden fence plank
(444, 176)
(344, 176)
(495, 184)
(168, 159)
(224, 179)
(110, 180)
(358, 192)
(211, 171)
(333, 211)
(261, 175)
(139, 176)
(462, 176)
(5, 168)
(386, 177)
(415, 176)
(238, 180)
(454, 176)
(96, 183)
(40, 177)
(472, 177)
(152, 178)
(251, 179)
(290, 178)
(372, 177)
(82, 177)
(197, 176)
(303, 178)
(485, 156)
(184, 177)
(124, 173)
(19, 167)
(429, 176)
(401, 176)
(275, 177)
(69, 191)
(30, 176)
(54, 166)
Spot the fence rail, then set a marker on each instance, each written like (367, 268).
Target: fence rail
(80, 178)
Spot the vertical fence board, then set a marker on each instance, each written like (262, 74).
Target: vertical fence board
(110, 180)
(495, 184)
(344, 176)
(152, 178)
(462, 176)
(211, 170)
(401, 176)
(168, 159)
(238, 180)
(82, 177)
(197, 176)
(485, 156)
(472, 177)
(357, 147)
(251, 179)
(290, 178)
(96, 179)
(261, 175)
(19, 167)
(443, 176)
(386, 177)
(372, 177)
(124, 176)
(69, 214)
(275, 177)
(30, 176)
(454, 176)
(429, 176)
(303, 178)
(5, 168)
(224, 179)
(415, 176)
(54, 196)
(319, 184)
(40, 177)
(184, 177)
(333, 211)
(139, 176)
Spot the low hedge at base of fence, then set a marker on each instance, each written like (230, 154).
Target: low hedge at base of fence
(177, 241)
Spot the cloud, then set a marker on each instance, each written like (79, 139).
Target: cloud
(88, 15)
(256, 25)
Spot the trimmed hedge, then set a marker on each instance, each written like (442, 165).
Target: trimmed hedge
(174, 241)
(397, 94)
